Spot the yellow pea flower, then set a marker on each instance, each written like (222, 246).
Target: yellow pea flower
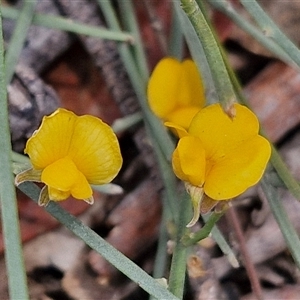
(70, 152)
(175, 91)
(219, 156)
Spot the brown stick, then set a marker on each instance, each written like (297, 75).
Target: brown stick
(250, 269)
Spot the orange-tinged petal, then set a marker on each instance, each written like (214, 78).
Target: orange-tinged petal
(183, 116)
(240, 169)
(95, 150)
(52, 140)
(189, 160)
(190, 89)
(219, 133)
(163, 84)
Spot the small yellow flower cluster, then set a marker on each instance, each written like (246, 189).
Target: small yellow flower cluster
(217, 155)
(70, 152)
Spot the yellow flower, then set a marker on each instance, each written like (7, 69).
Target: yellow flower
(220, 157)
(175, 91)
(70, 152)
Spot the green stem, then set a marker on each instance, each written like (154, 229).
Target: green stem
(18, 38)
(176, 41)
(271, 30)
(10, 222)
(284, 174)
(92, 239)
(212, 52)
(227, 8)
(61, 23)
(178, 264)
(132, 26)
(223, 245)
(288, 231)
(193, 238)
(198, 54)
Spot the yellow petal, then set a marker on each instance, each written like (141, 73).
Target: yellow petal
(95, 150)
(241, 168)
(81, 189)
(175, 86)
(56, 195)
(62, 174)
(163, 84)
(52, 140)
(177, 129)
(189, 160)
(219, 133)
(191, 90)
(63, 178)
(183, 116)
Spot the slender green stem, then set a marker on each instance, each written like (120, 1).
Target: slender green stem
(92, 239)
(17, 157)
(198, 54)
(61, 23)
(223, 245)
(18, 38)
(10, 222)
(123, 124)
(176, 41)
(289, 233)
(228, 9)
(212, 52)
(160, 262)
(132, 26)
(284, 173)
(178, 264)
(271, 29)
(193, 238)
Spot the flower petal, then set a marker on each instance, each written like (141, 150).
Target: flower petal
(189, 160)
(95, 150)
(64, 179)
(52, 140)
(162, 88)
(219, 133)
(177, 129)
(241, 168)
(82, 189)
(191, 90)
(56, 195)
(183, 116)
(62, 174)
(173, 86)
